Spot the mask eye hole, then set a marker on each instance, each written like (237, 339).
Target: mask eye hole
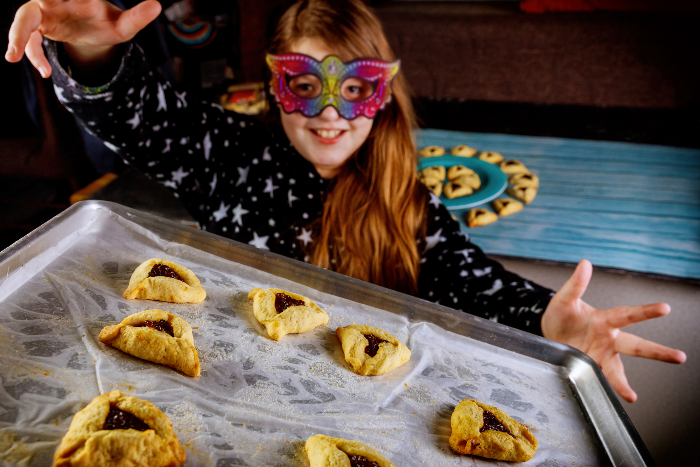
(356, 89)
(307, 86)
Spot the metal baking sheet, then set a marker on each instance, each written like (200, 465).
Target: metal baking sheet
(258, 400)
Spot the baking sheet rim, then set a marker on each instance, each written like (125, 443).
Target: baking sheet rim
(597, 400)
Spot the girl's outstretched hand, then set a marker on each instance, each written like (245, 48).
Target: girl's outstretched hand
(570, 320)
(91, 27)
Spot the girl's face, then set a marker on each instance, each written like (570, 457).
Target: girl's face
(327, 140)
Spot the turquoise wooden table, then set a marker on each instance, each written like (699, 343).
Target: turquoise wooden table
(620, 205)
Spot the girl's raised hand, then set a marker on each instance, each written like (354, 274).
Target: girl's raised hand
(91, 28)
(570, 320)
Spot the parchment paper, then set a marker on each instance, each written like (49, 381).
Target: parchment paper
(257, 400)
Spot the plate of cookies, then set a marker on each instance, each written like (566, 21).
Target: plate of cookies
(462, 182)
(468, 178)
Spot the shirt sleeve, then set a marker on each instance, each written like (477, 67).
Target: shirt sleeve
(456, 273)
(184, 144)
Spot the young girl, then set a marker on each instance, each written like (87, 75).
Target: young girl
(332, 183)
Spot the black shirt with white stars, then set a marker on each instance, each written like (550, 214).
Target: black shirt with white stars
(242, 179)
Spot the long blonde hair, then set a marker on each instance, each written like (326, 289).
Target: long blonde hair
(375, 207)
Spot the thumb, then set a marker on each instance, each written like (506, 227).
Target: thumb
(132, 21)
(574, 288)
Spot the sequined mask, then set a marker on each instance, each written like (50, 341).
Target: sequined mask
(302, 84)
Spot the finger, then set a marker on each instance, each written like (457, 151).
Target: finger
(574, 288)
(35, 54)
(27, 20)
(132, 21)
(614, 371)
(622, 316)
(629, 344)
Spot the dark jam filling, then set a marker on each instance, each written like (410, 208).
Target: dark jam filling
(161, 325)
(117, 419)
(373, 346)
(284, 301)
(361, 461)
(492, 423)
(164, 271)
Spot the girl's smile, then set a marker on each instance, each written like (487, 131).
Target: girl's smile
(328, 136)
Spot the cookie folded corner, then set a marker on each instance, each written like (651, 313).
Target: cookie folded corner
(437, 171)
(165, 281)
(456, 189)
(478, 217)
(506, 206)
(325, 451)
(457, 171)
(157, 336)
(283, 312)
(115, 430)
(512, 166)
(431, 151)
(491, 157)
(485, 431)
(524, 193)
(371, 351)
(434, 185)
(525, 179)
(463, 151)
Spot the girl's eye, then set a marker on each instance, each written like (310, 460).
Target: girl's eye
(305, 86)
(356, 89)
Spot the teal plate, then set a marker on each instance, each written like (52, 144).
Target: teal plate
(493, 180)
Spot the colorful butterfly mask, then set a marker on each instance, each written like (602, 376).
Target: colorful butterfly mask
(301, 83)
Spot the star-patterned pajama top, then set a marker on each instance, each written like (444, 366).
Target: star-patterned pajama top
(242, 179)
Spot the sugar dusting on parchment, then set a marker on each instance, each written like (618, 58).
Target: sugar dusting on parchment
(13, 450)
(20, 451)
(190, 429)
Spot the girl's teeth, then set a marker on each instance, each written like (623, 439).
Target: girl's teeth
(328, 134)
